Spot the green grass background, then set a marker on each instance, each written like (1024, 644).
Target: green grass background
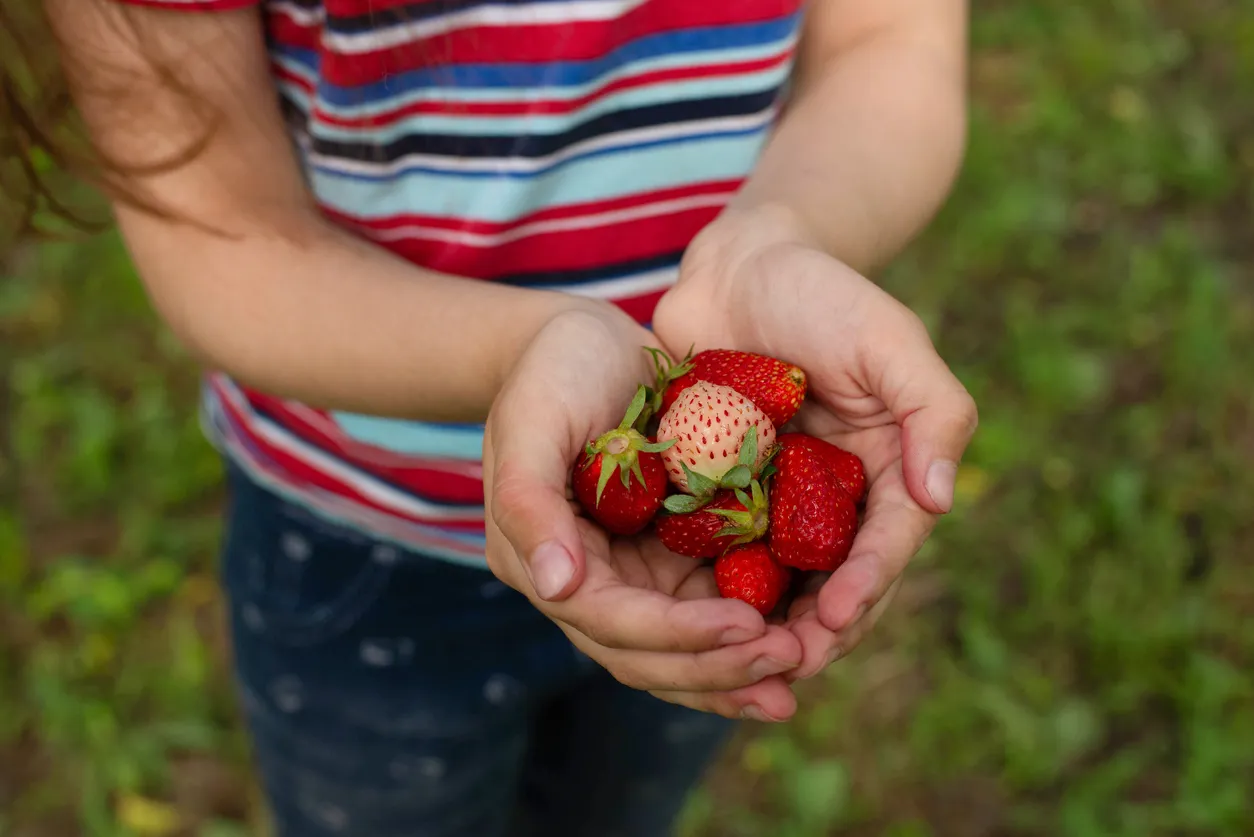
(1072, 653)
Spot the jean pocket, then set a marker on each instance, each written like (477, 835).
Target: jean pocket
(296, 585)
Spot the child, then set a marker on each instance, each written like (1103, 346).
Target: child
(420, 245)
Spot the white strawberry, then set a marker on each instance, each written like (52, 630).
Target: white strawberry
(709, 424)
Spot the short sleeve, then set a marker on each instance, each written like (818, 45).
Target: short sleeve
(192, 5)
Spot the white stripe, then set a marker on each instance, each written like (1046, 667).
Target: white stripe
(528, 14)
(555, 225)
(364, 485)
(532, 165)
(299, 15)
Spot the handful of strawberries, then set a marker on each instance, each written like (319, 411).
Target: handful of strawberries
(699, 456)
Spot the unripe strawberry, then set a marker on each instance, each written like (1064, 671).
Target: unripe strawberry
(708, 424)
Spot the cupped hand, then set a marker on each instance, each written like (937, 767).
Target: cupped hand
(653, 619)
(877, 387)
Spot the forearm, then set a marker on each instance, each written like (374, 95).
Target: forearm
(868, 148)
(314, 314)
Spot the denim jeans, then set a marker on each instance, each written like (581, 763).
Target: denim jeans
(390, 694)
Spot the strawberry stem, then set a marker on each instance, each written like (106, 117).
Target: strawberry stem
(635, 408)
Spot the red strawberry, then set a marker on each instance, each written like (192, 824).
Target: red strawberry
(709, 424)
(846, 466)
(813, 520)
(731, 518)
(776, 387)
(750, 574)
(622, 506)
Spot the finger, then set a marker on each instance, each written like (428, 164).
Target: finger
(525, 470)
(851, 637)
(722, 669)
(817, 642)
(619, 616)
(770, 701)
(821, 647)
(894, 529)
(937, 415)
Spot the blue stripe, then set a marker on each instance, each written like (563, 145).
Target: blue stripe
(627, 172)
(414, 438)
(546, 74)
(455, 95)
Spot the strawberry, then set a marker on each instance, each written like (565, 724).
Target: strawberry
(776, 387)
(813, 520)
(708, 425)
(621, 506)
(750, 574)
(846, 466)
(732, 517)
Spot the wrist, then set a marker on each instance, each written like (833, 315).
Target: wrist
(557, 311)
(720, 274)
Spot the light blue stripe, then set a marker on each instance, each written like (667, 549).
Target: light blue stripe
(533, 124)
(499, 199)
(451, 94)
(556, 73)
(414, 438)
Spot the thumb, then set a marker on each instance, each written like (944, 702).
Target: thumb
(936, 414)
(525, 482)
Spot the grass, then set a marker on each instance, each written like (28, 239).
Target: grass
(1072, 653)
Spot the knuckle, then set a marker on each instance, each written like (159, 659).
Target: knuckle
(912, 325)
(594, 625)
(510, 496)
(631, 677)
(968, 412)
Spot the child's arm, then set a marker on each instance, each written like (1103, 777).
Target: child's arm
(875, 127)
(284, 301)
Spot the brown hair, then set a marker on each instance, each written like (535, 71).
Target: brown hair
(39, 141)
(51, 176)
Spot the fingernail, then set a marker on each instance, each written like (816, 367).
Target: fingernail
(550, 569)
(754, 713)
(766, 666)
(833, 655)
(737, 635)
(940, 483)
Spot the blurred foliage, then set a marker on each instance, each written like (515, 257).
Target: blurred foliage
(1071, 654)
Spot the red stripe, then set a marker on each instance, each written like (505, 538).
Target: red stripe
(427, 483)
(301, 471)
(578, 249)
(640, 308)
(570, 210)
(548, 106)
(284, 74)
(577, 40)
(285, 30)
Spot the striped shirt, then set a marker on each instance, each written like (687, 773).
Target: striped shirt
(560, 144)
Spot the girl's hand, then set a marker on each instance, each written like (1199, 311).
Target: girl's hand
(752, 281)
(653, 619)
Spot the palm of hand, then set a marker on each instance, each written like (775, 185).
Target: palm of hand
(652, 618)
(876, 388)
